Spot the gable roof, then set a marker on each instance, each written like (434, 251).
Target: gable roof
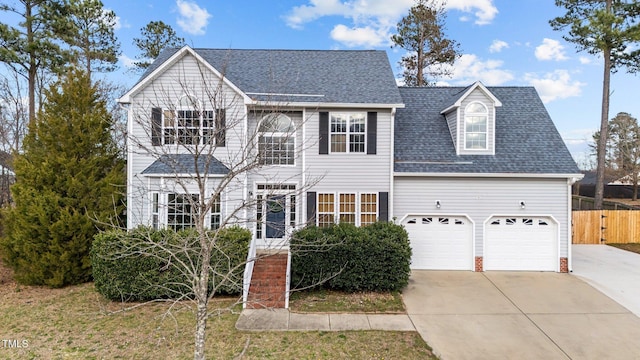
(456, 99)
(316, 76)
(186, 164)
(526, 140)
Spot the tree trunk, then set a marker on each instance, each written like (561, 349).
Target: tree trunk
(32, 70)
(201, 328)
(604, 124)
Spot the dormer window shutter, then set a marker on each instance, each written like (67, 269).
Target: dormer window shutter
(221, 127)
(323, 133)
(156, 126)
(372, 132)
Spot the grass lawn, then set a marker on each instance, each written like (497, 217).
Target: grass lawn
(634, 247)
(76, 322)
(335, 301)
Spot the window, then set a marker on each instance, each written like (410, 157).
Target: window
(215, 213)
(155, 210)
(358, 209)
(475, 126)
(368, 209)
(188, 125)
(326, 209)
(348, 208)
(276, 140)
(347, 132)
(181, 211)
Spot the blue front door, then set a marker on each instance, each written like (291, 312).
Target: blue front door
(276, 216)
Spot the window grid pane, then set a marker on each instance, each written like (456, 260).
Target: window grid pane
(180, 211)
(215, 213)
(348, 208)
(326, 209)
(368, 209)
(259, 217)
(348, 133)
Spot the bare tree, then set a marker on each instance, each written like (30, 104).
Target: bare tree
(205, 146)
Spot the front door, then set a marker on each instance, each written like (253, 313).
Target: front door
(276, 216)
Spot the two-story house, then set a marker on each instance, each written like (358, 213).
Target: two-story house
(479, 176)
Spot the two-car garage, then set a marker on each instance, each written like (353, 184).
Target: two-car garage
(446, 242)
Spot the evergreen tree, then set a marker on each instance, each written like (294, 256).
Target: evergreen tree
(156, 36)
(69, 185)
(421, 33)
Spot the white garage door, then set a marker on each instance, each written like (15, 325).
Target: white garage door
(440, 242)
(521, 243)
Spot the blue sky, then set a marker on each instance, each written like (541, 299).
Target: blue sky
(504, 42)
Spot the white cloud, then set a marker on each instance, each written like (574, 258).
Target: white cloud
(550, 50)
(555, 85)
(484, 10)
(127, 61)
(497, 46)
(469, 69)
(375, 18)
(585, 60)
(192, 19)
(363, 36)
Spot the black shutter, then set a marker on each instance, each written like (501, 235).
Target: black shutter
(324, 133)
(156, 126)
(383, 206)
(221, 127)
(311, 207)
(372, 132)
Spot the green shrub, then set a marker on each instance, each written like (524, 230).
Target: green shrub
(145, 264)
(344, 257)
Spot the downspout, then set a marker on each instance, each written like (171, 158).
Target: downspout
(392, 165)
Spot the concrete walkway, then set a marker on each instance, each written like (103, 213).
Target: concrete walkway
(614, 272)
(284, 320)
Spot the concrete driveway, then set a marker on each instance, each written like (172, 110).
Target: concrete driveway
(613, 271)
(518, 315)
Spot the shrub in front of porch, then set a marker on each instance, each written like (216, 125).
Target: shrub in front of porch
(347, 258)
(147, 264)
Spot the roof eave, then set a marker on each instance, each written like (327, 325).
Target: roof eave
(576, 176)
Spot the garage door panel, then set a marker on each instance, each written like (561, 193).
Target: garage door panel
(521, 243)
(440, 242)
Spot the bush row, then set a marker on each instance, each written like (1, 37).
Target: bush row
(347, 258)
(146, 264)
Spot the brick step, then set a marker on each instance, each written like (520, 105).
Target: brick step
(268, 282)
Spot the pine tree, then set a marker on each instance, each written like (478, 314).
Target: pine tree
(69, 184)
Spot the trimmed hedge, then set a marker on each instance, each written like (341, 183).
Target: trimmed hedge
(347, 258)
(131, 266)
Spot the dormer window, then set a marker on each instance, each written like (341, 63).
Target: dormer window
(476, 122)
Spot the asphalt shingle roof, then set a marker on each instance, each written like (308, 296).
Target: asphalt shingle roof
(186, 164)
(329, 76)
(526, 139)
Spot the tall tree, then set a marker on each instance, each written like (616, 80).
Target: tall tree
(421, 33)
(30, 46)
(625, 137)
(88, 28)
(68, 186)
(610, 28)
(156, 36)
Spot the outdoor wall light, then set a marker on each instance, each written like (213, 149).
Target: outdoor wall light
(438, 204)
(522, 204)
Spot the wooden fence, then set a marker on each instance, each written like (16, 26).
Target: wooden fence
(606, 226)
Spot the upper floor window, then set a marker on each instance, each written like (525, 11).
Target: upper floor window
(347, 132)
(276, 140)
(188, 124)
(476, 119)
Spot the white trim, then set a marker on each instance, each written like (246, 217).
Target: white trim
(491, 216)
(186, 176)
(391, 164)
(126, 98)
(476, 85)
(487, 175)
(322, 105)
